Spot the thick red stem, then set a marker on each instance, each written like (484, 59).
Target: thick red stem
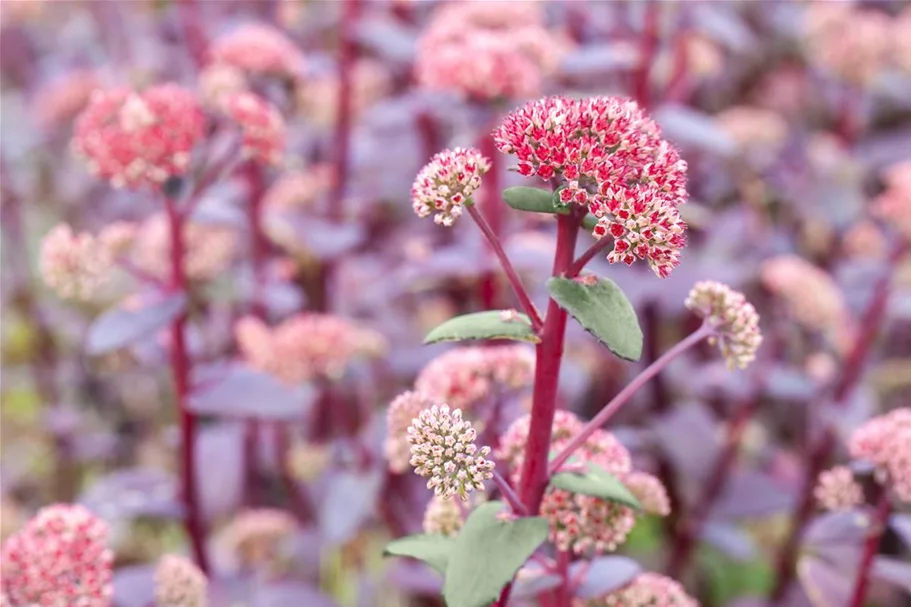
(347, 52)
(180, 366)
(548, 356)
(491, 298)
(871, 548)
(647, 49)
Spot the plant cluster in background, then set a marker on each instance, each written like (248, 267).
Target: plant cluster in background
(668, 365)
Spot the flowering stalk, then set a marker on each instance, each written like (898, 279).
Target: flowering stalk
(511, 273)
(493, 209)
(648, 46)
(548, 356)
(180, 366)
(823, 448)
(871, 547)
(509, 495)
(345, 69)
(618, 401)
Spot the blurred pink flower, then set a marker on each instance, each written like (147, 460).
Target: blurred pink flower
(613, 161)
(179, 583)
(218, 82)
(443, 516)
(733, 318)
(317, 97)
(885, 441)
(59, 559)
(646, 590)
(137, 139)
(753, 127)
(650, 492)
(446, 183)
(836, 489)
(443, 450)
(210, 248)
(901, 39)
(852, 43)
(262, 126)
(75, 266)
(894, 204)
(404, 408)
(298, 189)
(255, 536)
(300, 348)
(259, 49)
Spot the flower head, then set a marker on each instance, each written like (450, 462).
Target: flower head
(459, 376)
(218, 82)
(614, 161)
(402, 410)
(59, 560)
(885, 441)
(299, 348)
(443, 516)
(137, 139)
(733, 318)
(74, 265)
(259, 49)
(650, 492)
(446, 183)
(262, 126)
(836, 489)
(179, 583)
(851, 43)
(443, 449)
(646, 590)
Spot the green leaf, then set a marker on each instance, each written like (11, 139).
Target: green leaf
(493, 324)
(602, 309)
(433, 549)
(533, 200)
(596, 482)
(487, 553)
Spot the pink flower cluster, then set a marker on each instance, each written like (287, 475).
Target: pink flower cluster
(836, 489)
(465, 375)
(317, 98)
(650, 492)
(894, 204)
(885, 441)
(258, 49)
(646, 590)
(447, 182)
(137, 139)
(209, 248)
(850, 42)
(179, 583)
(73, 265)
(298, 189)
(262, 126)
(734, 319)
(443, 449)
(300, 348)
(613, 161)
(580, 523)
(487, 50)
(58, 560)
(255, 536)
(402, 410)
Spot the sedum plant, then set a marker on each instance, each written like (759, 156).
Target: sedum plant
(554, 494)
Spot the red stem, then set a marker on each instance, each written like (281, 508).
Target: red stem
(648, 47)
(180, 365)
(690, 528)
(624, 395)
(822, 450)
(493, 209)
(516, 282)
(193, 31)
(597, 246)
(871, 548)
(345, 67)
(509, 495)
(548, 356)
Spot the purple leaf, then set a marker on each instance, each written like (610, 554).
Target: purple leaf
(825, 585)
(833, 528)
(119, 326)
(691, 128)
(604, 575)
(133, 492)
(750, 493)
(730, 539)
(239, 391)
(220, 467)
(599, 59)
(892, 571)
(349, 500)
(318, 237)
(134, 586)
(694, 454)
(291, 594)
(901, 524)
(414, 578)
(532, 581)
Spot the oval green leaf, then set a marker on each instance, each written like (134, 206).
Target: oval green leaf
(596, 482)
(487, 554)
(493, 324)
(602, 309)
(532, 200)
(433, 549)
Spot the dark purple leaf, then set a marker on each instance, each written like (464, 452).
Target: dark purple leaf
(825, 585)
(749, 493)
(414, 578)
(349, 501)
(892, 571)
(318, 237)
(119, 326)
(220, 467)
(134, 586)
(133, 492)
(722, 24)
(239, 391)
(604, 575)
(730, 539)
(690, 128)
(688, 434)
(599, 59)
(290, 594)
(388, 38)
(901, 524)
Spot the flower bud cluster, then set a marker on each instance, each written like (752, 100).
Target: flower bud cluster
(445, 184)
(404, 408)
(258, 49)
(734, 319)
(646, 590)
(836, 489)
(75, 266)
(885, 441)
(261, 124)
(179, 583)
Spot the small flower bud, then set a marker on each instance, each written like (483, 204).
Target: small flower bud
(735, 321)
(445, 184)
(836, 489)
(650, 492)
